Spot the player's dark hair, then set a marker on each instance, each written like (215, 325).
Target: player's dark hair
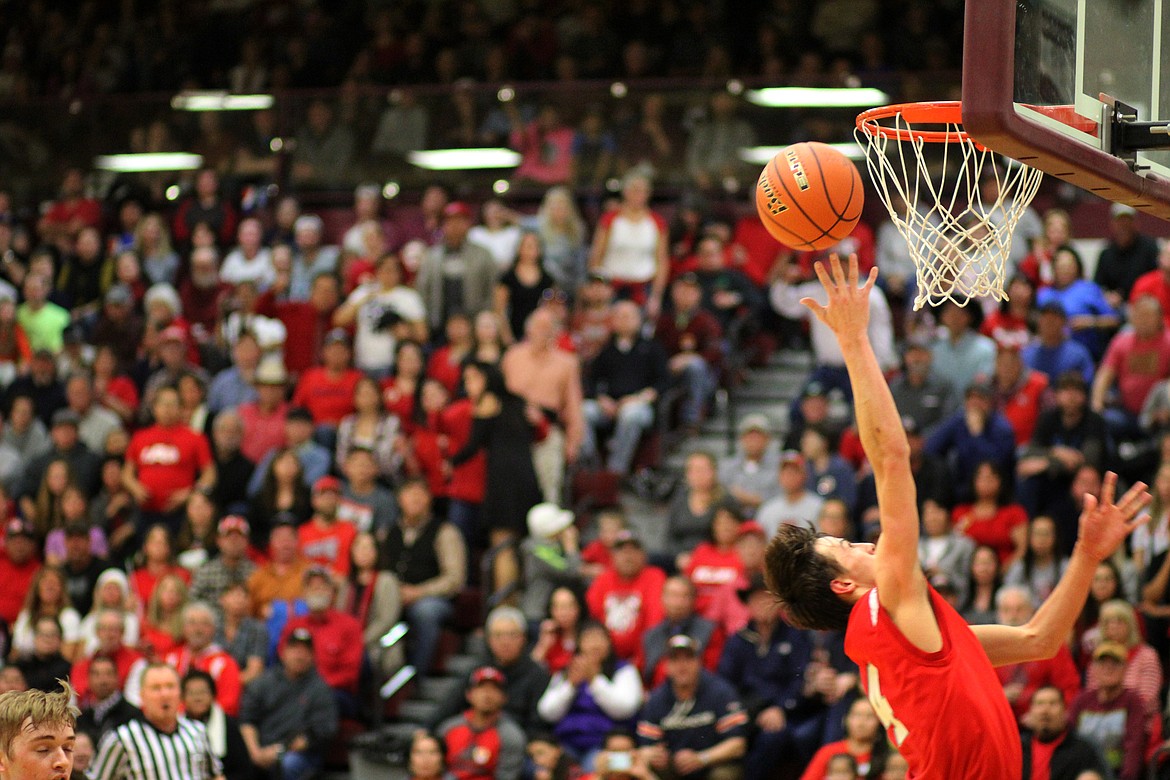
(800, 578)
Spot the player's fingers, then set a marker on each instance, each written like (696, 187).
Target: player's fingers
(1132, 498)
(823, 274)
(869, 283)
(838, 271)
(814, 307)
(1108, 488)
(853, 271)
(1090, 504)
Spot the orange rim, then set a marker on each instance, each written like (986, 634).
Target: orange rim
(946, 112)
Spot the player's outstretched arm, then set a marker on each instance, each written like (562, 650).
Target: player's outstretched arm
(880, 427)
(1104, 525)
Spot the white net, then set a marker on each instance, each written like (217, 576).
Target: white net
(959, 230)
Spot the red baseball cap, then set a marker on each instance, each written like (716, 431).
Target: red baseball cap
(751, 527)
(234, 523)
(487, 674)
(327, 482)
(172, 333)
(458, 208)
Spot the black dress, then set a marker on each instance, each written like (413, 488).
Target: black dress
(511, 488)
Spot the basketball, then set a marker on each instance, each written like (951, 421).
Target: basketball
(809, 196)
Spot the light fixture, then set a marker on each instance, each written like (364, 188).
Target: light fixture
(464, 159)
(816, 97)
(390, 190)
(149, 162)
(618, 89)
(760, 155)
(219, 100)
(501, 186)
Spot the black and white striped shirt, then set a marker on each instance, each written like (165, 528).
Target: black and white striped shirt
(138, 751)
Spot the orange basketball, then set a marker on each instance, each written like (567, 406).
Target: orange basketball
(809, 196)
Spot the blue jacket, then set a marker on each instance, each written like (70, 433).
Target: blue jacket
(768, 672)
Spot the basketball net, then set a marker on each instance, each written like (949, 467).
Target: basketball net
(959, 241)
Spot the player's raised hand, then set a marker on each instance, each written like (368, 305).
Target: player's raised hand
(1105, 524)
(847, 310)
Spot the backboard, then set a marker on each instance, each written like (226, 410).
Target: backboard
(1038, 79)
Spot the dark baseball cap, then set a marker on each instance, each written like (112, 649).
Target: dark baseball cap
(624, 537)
(301, 636)
(19, 527)
(681, 643)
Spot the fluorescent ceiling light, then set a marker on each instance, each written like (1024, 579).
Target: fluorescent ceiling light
(760, 155)
(810, 97)
(149, 163)
(464, 159)
(218, 100)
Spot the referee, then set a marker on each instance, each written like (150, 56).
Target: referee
(160, 745)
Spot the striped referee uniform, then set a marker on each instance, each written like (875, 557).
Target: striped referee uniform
(138, 751)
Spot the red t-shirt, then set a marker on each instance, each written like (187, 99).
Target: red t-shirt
(327, 546)
(143, 582)
(329, 398)
(1006, 330)
(86, 210)
(17, 580)
(597, 552)
(424, 443)
(945, 712)
(627, 607)
(1138, 365)
(820, 761)
(469, 479)
(443, 368)
(167, 460)
(399, 404)
(710, 569)
(995, 531)
(222, 668)
(337, 646)
(263, 433)
(1022, 408)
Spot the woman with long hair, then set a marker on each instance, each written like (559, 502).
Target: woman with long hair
(1041, 566)
(1105, 586)
(983, 580)
(688, 519)
(371, 428)
(1118, 622)
(595, 693)
(1090, 317)
(489, 338)
(47, 597)
(991, 518)
(152, 241)
(427, 759)
(630, 246)
(1152, 539)
(562, 233)
(520, 288)
(557, 641)
(196, 538)
(162, 626)
(715, 563)
(372, 597)
(446, 362)
(400, 390)
(283, 489)
(74, 518)
(157, 560)
(45, 509)
(500, 428)
(865, 740)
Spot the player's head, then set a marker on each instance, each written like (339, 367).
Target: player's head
(816, 577)
(37, 734)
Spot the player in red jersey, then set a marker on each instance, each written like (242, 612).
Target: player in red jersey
(929, 675)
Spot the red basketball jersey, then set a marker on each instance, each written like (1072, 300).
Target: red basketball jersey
(944, 711)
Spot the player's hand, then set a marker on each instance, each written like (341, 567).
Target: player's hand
(1105, 524)
(847, 311)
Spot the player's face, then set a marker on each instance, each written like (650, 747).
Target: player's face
(855, 559)
(41, 752)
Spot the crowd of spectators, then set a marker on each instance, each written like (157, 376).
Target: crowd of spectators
(278, 459)
(256, 460)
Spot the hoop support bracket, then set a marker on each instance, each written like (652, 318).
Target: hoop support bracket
(1124, 136)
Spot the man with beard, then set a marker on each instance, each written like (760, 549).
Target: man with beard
(202, 294)
(337, 639)
(1050, 748)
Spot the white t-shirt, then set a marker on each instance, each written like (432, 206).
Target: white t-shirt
(236, 268)
(373, 349)
(501, 244)
(802, 512)
(631, 250)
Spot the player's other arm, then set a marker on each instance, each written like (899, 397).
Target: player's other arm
(880, 426)
(1103, 527)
